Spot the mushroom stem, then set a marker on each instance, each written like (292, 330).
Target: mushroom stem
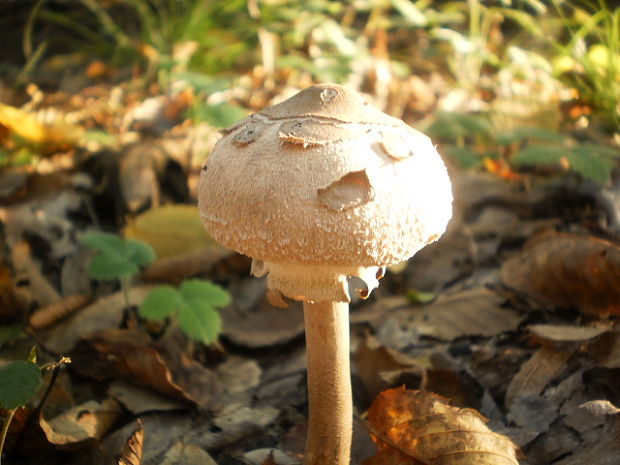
(330, 400)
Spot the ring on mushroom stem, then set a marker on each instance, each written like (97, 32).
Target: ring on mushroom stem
(316, 189)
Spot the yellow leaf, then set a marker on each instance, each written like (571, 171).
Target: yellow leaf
(170, 230)
(27, 125)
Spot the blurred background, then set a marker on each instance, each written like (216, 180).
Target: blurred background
(481, 77)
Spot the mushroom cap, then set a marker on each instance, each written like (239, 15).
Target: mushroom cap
(325, 180)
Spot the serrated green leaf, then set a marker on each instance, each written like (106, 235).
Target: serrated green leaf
(161, 303)
(595, 168)
(196, 290)
(194, 305)
(534, 155)
(139, 252)
(20, 382)
(200, 321)
(116, 257)
(111, 265)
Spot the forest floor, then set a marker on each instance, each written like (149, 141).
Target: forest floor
(513, 312)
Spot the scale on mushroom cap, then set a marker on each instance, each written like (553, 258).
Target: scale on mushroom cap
(316, 189)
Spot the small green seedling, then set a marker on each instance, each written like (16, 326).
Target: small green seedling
(117, 257)
(193, 305)
(21, 380)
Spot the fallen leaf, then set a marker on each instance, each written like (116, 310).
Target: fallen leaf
(252, 322)
(377, 365)
(472, 312)
(28, 126)
(86, 422)
(106, 312)
(187, 454)
(600, 407)
(537, 372)
(131, 355)
(562, 270)
(563, 333)
(185, 265)
(139, 399)
(132, 450)
(51, 314)
(171, 230)
(419, 427)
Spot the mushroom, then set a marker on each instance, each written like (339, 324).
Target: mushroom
(317, 189)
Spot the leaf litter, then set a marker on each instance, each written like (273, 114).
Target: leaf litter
(523, 328)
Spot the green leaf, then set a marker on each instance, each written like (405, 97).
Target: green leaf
(473, 124)
(204, 291)
(107, 266)
(20, 382)
(534, 155)
(542, 134)
(464, 156)
(200, 321)
(139, 252)
(597, 169)
(194, 305)
(161, 303)
(219, 115)
(420, 297)
(525, 132)
(446, 127)
(116, 257)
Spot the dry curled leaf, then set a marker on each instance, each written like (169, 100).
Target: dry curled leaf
(130, 354)
(537, 372)
(50, 314)
(131, 454)
(419, 427)
(563, 270)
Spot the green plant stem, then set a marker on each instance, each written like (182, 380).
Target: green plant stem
(125, 281)
(5, 430)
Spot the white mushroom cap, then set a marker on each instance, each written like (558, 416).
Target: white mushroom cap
(321, 187)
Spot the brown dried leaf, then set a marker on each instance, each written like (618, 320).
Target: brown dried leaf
(132, 450)
(131, 355)
(55, 312)
(377, 365)
(563, 270)
(538, 371)
(86, 422)
(563, 333)
(419, 427)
